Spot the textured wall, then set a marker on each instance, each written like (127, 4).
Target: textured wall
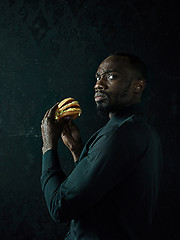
(50, 49)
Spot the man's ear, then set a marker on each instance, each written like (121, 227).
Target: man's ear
(139, 86)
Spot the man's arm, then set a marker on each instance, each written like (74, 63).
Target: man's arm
(105, 165)
(52, 175)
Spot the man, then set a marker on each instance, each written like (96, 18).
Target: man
(112, 191)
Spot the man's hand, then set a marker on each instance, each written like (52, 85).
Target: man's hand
(52, 130)
(72, 139)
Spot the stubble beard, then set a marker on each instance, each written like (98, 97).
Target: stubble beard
(104, 108)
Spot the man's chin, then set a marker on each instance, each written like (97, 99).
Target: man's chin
(103, 111)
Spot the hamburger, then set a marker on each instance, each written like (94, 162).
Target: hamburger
(68, 107)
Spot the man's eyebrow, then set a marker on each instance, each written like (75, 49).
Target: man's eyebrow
(109, 71)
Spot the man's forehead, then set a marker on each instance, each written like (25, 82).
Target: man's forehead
(113, 63)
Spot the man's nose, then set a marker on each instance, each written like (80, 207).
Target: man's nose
(101, 84)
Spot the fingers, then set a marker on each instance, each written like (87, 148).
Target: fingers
(65, 128)
(46, 113)
(45, 116)
(72, 125)
(50, 115)
(68, 124)
(67, 138)
(52, 111)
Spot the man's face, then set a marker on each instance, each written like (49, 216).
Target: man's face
(114, 88)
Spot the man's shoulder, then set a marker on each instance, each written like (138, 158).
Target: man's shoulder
(135, 128)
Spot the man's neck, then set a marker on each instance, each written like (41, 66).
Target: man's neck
(111, 114)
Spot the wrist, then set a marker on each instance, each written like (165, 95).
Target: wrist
(49, 146)
(76, 155)
(45, 149)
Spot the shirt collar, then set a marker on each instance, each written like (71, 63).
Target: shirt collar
(125, 113)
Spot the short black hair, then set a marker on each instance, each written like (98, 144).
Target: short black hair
(135, 62)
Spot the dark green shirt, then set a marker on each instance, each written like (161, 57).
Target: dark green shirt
(112, 191)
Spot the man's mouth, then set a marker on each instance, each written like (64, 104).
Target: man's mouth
(99, 97)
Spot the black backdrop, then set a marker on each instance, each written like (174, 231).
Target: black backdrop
(50, 50)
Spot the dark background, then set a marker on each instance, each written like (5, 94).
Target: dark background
(50, 49)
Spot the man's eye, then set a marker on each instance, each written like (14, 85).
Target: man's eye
(98, 78)
(111, 76)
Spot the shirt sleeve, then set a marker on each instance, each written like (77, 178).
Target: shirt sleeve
(51, 178)
(106, 164)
